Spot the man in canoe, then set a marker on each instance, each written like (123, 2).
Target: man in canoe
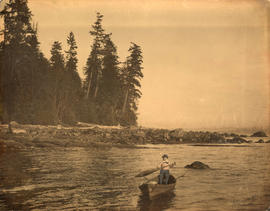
(164, 169)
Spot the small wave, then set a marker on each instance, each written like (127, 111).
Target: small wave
(221, 145)
(18, 189)
(219, 199)
(30, 187)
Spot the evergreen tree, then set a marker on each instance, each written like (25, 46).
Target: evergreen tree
(71, 53)
(109, 93)
(73, 81)
(17, 67)
(131, 76)
(58, 66)
(57, 58)
(93, 73)
(94, 61)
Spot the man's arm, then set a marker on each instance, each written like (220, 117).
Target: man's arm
(172, 164)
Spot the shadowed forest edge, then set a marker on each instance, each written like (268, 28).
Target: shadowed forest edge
(37, 90)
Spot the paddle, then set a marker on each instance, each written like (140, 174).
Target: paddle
(151, 171)
(182, 175)
(147, 172)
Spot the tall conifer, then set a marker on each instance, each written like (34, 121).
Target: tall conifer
(72, 81)
(131, 76)
(58, 66)
(94, 62)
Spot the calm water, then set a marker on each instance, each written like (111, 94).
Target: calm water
(103, 179)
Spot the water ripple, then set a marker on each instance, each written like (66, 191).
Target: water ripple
(103, 179)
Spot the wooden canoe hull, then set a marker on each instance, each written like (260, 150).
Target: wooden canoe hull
(154, 190)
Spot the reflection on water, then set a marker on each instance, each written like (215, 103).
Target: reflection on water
(159, 203)
(103, 179)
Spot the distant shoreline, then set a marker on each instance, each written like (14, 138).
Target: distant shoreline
(88, 135)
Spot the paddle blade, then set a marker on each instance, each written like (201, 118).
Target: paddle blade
(147, 172)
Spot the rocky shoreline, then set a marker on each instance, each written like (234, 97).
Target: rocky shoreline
(87, 135)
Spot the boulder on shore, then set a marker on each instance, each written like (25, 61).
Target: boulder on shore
(259, 134)
(237, 139)
(197, 165)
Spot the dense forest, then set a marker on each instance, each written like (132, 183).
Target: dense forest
(40, 90)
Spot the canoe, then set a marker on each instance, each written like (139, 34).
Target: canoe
(152, 189)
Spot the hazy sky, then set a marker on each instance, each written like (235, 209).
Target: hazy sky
(205, 61)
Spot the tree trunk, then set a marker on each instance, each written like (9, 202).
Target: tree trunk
(125, 103)
(89, 85)
(9, 97)
(32, 98)
(96, 90)
(97, 80)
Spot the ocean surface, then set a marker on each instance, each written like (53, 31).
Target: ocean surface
(104, 178)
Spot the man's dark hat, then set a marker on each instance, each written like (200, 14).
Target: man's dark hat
(165, 156)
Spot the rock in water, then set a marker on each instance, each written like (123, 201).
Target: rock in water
(259, 134)
(197, 165)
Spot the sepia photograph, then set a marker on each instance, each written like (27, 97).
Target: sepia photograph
(135, 105)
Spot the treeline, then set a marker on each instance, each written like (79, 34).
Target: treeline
(37, 90)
